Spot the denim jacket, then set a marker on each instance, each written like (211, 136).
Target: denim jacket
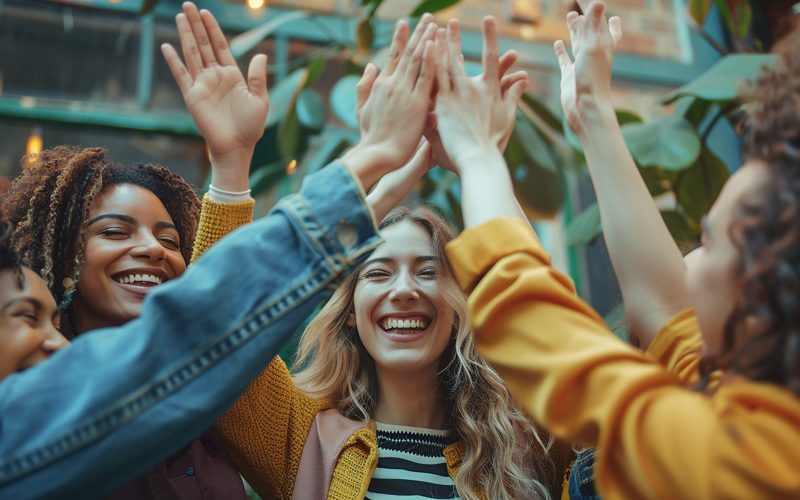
(119, 401)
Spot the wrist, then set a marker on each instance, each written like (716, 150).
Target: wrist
(231, 171)
(478, 157)
(596, 116)
(368, 163)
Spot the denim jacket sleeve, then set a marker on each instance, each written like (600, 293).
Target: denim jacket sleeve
(120, 400)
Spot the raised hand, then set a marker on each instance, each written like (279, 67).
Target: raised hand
(228, 110)
(392, 106)
(503, 127)
(473, 112)
(586, 83)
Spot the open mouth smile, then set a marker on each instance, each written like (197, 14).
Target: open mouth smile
(404, 328)
(140, 278)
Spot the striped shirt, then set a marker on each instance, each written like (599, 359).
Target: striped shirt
(411, 464)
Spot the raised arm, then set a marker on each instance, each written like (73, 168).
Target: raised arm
(229, 111)
(646, 260)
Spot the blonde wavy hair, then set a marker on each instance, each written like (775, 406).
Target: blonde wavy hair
(498, 439)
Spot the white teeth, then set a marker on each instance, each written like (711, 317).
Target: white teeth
(405, 324)
(140, 278)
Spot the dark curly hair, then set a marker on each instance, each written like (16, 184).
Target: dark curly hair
(9, 257)
(50, 202)
(761, 339)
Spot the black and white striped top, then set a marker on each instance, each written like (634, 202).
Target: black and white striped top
(411, 464)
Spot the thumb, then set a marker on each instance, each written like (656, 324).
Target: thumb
(257, 76)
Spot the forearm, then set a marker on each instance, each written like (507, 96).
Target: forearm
(646, 260)
(486, 189)
(122, 399)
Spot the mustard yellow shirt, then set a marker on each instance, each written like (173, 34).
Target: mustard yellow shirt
(655, 437)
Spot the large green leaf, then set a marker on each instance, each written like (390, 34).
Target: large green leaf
(698, 9)
(670, 143)
(311, 109)
(678, 227)
(343, 100)
(540, 189)
(264, 177)
(698, 187)
(282, 95)
(696, 111)
(245, 42)
(720, 83)
(657, 180)
(541, 110)
(585, 227)
(536, 147)
(431, 6)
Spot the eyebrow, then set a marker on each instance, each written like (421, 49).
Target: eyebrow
(130, 220)
(34, 302)
(389, 260)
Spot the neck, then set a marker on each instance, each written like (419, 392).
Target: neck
(412, 400)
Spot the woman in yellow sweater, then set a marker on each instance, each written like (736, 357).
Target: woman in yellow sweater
(658, 435)
(388, 375)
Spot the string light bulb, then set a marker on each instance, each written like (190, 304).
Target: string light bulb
(34, 145)
(256, 4)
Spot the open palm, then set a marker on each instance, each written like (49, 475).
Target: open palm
(229, 111)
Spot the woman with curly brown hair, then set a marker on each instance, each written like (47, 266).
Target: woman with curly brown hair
(103, 235)
(712, 409)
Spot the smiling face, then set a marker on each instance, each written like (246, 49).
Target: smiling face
(28, 319)
(713, 269)
(132, 245)
(401, 314)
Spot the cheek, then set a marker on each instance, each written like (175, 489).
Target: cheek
(176, 262)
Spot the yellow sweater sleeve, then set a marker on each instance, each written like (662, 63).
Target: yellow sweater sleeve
(655, 438)
(217, 220)
(677, 347)
(266, 429)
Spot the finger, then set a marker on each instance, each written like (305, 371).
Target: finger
(176, 67)
(491, 68)
(399, 41)
(414, 66)
(456, 62)
(257, 77)
(595, 14)
(506, 61)
(191, 53)
(615, 27)
(564, 61)
(508, 80)
(413, 43)
(428, 71)
(364, 85)
(515, 92)
(442, 62)
(219, 43)
(200, 34)
(573, 19)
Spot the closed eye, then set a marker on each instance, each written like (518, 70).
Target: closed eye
(428, 272)
(114, 233)
(375, 274)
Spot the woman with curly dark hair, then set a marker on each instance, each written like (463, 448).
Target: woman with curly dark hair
(712, 409)
(103, 235)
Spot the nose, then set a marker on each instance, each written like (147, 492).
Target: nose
(404, 289)
(54, 340)
(147, 246)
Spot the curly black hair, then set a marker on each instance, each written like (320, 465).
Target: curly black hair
(761, 339)
(50, 203)
(9, 257)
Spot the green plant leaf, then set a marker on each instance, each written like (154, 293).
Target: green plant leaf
(343, 100)
(264, 177)
(534, 145)
(371, 7)
(289, 134)
(624, 117)
(245, 42)
(670, 143)
(282, 95)
(657, 180)
(678, 227)
(310, 110)
(698, 9)
(720, 83)
(542, 111)
(696, 111)
(585, 227)
(698, 186)
(570, 136)
(431, 6)
(744, 14)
